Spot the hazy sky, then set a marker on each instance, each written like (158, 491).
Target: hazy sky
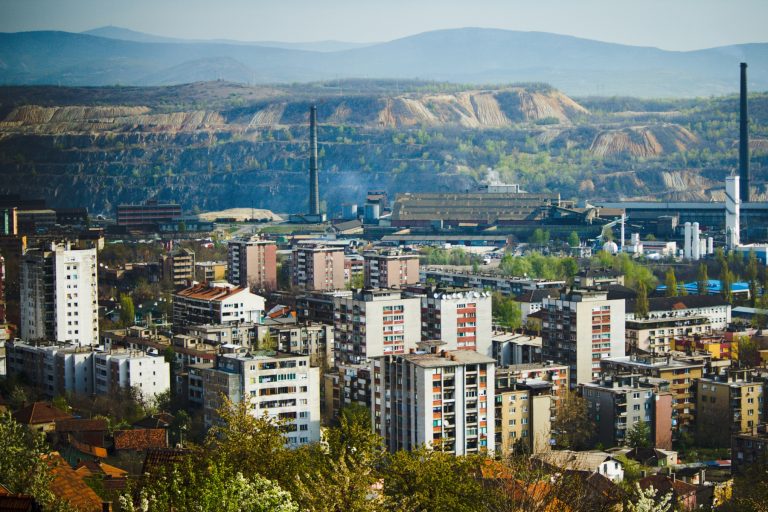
(669, 24)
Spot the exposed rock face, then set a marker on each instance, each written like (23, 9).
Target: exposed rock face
(643, 141)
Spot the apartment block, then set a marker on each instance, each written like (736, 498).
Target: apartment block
(459, 317)
(555, 374)
(216, 304)
(749, 448)
(319, 306)
(252, 263)
(59, 294)
(346, 385)
(207, 271)
(61, 369)
(372, 323)
(12, 248)
(512, 286)
(390, 269)
(284, 386)
(122, 370)
(618, 403)
(443, 400)
(727, 404)
(669, 317)
(309, 339)
(682, 374)
(717, 345)
(580, 329)
(178, 267)
(524, 412)
(51, 369)
(515, 348)
(149, 213)
(317, 267)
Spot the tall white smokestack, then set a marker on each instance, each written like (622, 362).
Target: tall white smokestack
(732, 207)
(710, 245)
(622, 231)
(687, 242)
(695, 244)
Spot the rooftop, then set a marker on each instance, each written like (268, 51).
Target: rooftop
(211, 293)
(447, 358)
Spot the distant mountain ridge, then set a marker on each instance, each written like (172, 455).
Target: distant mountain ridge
(125, 34)
(578, 67)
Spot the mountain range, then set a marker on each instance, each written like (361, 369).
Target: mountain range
(581, 67)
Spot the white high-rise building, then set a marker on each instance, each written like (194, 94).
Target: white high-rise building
(113, 371)
(283, 386)
(59, 295)
(461, 318)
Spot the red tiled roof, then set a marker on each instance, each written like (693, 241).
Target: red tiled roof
(69, 487)
(38, 413)
(206, 292)
(665, 484)
(158, 458)
(140, 439)
(18, 502)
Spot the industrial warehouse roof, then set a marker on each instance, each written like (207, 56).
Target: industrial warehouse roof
(488, 208)
(439, 238)
(206, 292)
(680, 205)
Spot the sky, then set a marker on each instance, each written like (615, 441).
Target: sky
(667, 24)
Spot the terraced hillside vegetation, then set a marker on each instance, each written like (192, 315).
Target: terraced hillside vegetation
(219, 145)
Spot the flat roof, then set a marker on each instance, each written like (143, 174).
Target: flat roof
(450, 358)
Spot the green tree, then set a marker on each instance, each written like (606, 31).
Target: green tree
(573, 239)
(639, 436)
(726, 283)
(23, 468)
(253, 445)
(127, 311)
(200, 482)
(356, 282)
(424, 479)
(702, 281)
(506, 311)
(607, 234)
(671, 283)
(572, 427)
(641, 304)
(648, 500)
(340, 478)
(752, 276)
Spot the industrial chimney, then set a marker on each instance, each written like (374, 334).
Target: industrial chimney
(314, 192)
(744, 138)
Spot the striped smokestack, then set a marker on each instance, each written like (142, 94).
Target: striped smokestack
(744, 137)
(314, 188)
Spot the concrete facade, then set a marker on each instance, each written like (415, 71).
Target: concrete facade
(317, 267)
(581, 328)
(59, 294)
(374, 323)
(252, 264)
(443, 400)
